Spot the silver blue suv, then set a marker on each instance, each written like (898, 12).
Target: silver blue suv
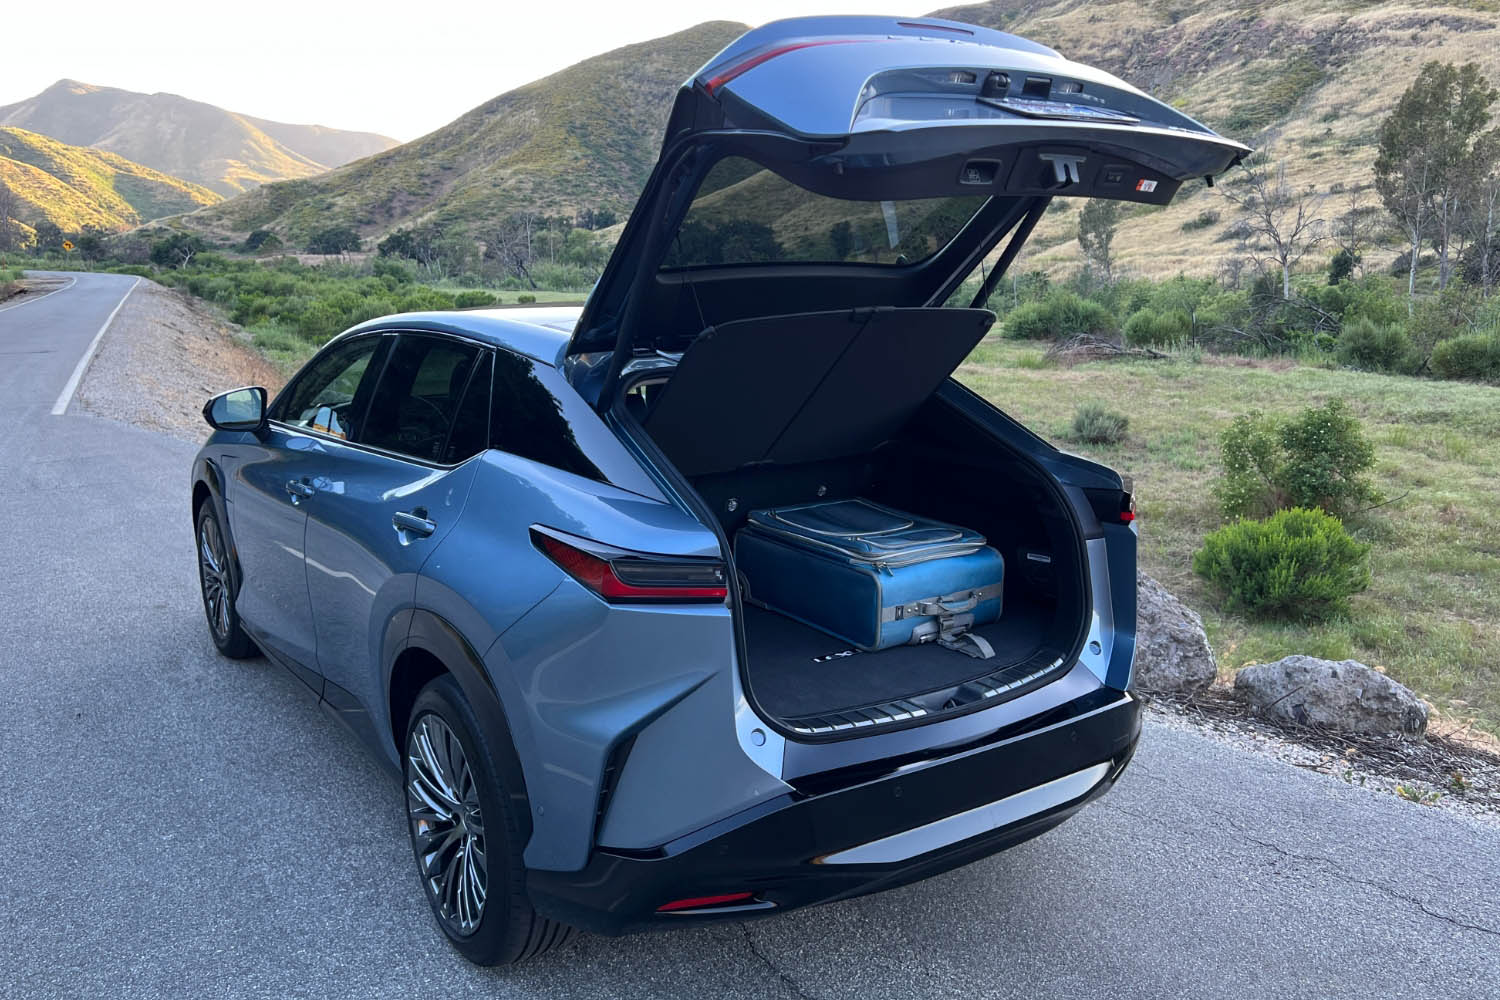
(499, 545)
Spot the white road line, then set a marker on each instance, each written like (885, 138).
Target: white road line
(66, 396)
(17, 305)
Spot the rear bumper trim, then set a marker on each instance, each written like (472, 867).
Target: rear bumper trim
(983, 819)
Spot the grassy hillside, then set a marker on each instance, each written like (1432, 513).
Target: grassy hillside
(226, 152)
(1430, 616)
(584, 137)
(1310, 79)
(75, 187)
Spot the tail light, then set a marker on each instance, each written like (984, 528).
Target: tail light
(623, 576)
(727, 74)
(1112, 506)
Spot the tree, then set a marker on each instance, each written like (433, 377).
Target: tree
(1480, 260)
(1096, 234)
(334, 239)
(1354, 230)
(1433, 148)
(510, 244)
(9, 206)
(49, 237)
(1282, 223)
(90, 243)
(176, 250)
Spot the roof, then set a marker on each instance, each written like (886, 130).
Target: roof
(541, 333)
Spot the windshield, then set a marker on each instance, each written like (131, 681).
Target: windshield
(745, 213)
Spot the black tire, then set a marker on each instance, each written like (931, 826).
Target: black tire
(507, 928)
(217, 586)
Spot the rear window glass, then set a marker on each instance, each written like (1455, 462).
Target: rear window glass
(745, 213)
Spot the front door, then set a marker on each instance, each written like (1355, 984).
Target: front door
(271, 489)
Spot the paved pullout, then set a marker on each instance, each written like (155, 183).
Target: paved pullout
(175, 824)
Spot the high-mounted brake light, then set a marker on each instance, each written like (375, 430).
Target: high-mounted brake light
(620, 576)
(700, 902)
(744, 66)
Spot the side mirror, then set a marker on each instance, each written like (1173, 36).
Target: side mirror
(237, 410)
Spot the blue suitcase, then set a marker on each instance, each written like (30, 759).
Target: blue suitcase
(872, 576)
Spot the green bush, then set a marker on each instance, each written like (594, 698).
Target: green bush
(526, 300)
(1094, 423)
(1475, 357)
(472, 298)
(1148, 328)
(1319, 459)
(1374, 347)
(1298, 564)
(1061, 314)
(1203, 221)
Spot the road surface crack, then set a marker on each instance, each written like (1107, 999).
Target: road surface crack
(1329, 864)
(785, 977)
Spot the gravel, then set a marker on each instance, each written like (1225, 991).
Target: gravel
(163, 357)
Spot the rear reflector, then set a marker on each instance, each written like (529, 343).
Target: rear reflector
(619, 576)
(699, 902)
(744, 66)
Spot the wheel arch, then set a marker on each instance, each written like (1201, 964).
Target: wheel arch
(208, 487)
(423, 646)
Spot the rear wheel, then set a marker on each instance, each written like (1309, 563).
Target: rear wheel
(218, 587)
(465, 837)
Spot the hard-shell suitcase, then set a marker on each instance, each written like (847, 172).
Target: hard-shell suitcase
(872, 576)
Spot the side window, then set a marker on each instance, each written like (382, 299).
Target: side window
(471, 423)
(529, 420)
(412, 409)
(324, 397)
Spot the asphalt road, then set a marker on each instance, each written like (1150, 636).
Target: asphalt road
(176, 824)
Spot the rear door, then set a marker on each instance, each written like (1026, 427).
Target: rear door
(892, 113)
(386, 498)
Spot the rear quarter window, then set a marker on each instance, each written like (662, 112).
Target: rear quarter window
(536, 415)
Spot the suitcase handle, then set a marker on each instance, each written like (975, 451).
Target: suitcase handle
(947, 607)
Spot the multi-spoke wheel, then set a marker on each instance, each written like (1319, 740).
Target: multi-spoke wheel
(447, 824)
(218, 587)
(464, 834)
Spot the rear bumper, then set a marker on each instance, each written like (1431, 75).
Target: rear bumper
(819, 846)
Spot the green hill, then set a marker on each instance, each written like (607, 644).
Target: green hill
(226, 152)
(584, 137)
(75, 187)
(1310, 80)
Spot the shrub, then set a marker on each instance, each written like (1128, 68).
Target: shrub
(1203, 221)
(1060, 314)
(526, 299)
(1148, 328)
(1297, 564)
(1319, 459)
(1475, 356)
(1094, 423)
(473, 298)
(1342, 266)
(1327, 457)
(1374, 347)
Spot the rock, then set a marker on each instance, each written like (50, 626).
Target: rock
(1342, 694)
(1172, 653)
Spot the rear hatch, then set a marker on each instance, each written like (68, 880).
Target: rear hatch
(888, 112)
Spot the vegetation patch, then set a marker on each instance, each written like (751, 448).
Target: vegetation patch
(1296, 565)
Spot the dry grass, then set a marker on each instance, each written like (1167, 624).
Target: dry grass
(1431, 618)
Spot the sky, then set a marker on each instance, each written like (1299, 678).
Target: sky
(401, 69)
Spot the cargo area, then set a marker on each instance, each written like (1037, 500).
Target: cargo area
(861, 419)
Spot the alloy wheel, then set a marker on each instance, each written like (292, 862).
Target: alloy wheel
(214, 575)
(442, 804)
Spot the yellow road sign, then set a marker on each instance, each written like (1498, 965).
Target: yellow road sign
(67, 245)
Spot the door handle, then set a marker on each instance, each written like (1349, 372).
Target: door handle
(298, 490)
(414, 524)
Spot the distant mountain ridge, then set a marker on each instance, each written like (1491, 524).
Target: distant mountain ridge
(1309, 79)
(583, 138)
(220, 150)
(74, 186)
